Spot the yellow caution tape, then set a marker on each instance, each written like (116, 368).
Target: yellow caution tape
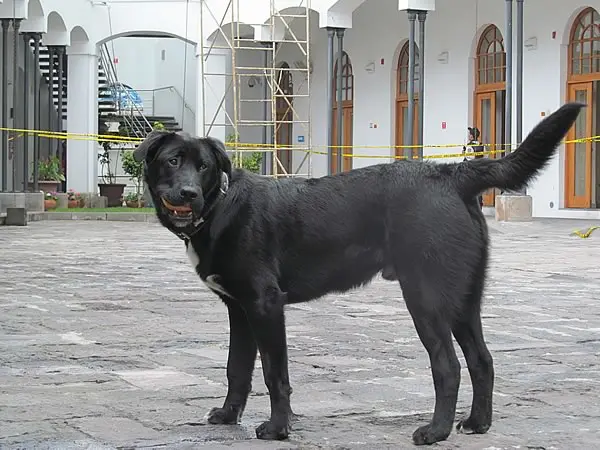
(586, 234)
(252, 147)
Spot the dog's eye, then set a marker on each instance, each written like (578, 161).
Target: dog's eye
(174, 162)
(202, 166)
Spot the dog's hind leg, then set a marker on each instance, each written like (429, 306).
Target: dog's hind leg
(425, 302)
(268, 324)
(240, 365)
(468, 333)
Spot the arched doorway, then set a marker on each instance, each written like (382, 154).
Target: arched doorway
(347, 114)
(402, 103)
(581, 166)
(490, 90)
(284, 120)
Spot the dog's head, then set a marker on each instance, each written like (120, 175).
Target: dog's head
(185, 175)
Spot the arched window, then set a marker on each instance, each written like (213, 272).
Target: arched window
(584, 48)
(347, 79)
(347, 111)
(402, 78)
(491, 57)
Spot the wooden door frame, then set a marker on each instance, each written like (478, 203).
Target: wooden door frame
(347, 139)
(585, 201)
(402, 102)
(489, 196)
(281, 118)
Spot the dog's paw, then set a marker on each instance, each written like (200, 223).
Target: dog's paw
(222, 416)
(270, 431)
(471, 426)
(428, 435)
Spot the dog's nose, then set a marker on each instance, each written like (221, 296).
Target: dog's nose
(188, 193)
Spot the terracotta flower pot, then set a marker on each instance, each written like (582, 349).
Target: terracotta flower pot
(49, 204)
(74, 204)
(134, 204)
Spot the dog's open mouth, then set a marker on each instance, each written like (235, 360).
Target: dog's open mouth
(183, 211)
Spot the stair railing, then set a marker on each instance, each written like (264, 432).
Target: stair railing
(134, 118)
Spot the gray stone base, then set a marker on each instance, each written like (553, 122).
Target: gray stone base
(514, 208)
(16, 217)
(94, 201)
(31, 201)
(62, 200)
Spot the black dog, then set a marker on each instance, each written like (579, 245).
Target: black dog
(261, 243)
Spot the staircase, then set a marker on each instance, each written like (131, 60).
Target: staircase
(133, 119)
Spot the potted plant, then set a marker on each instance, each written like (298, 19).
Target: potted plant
(50, 199)
(50, 174)
(75, 199)
(134, 200)
(251, 161)
(135, 170)
(109, 187)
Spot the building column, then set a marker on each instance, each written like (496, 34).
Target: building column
(5, 111)
(214, 76)
(330, 97)
(339, 91)
(422, 15)
(508, 47)
(36, 108)
(412, 17)
(26, 101)
(82, 117)
(15, 144)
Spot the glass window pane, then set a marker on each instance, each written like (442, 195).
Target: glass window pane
(580, 167)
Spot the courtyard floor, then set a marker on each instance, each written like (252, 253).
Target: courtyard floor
(109, 340)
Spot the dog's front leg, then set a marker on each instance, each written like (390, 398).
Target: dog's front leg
(240, 365)
(268, 324)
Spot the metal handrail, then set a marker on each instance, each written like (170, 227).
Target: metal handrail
(186, 105)
(135, 122)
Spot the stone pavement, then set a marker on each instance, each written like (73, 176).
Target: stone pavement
(108, 340)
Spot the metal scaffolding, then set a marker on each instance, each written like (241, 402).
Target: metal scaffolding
(254, 60)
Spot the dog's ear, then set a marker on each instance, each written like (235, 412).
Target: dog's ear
(218, 149)
(148, 147)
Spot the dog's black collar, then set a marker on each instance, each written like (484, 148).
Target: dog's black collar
(199, 224)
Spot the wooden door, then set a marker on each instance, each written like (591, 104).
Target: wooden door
(402, 128)
(485, 120)
(578, 170)
(347, 131)
(284, 140)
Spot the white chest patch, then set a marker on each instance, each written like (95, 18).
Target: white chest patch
(192, 256)
(211, 280)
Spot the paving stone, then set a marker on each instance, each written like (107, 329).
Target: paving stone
(108, 340)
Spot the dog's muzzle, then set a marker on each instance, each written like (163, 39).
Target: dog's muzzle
(183, 211)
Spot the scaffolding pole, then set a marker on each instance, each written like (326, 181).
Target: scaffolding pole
(236, 95)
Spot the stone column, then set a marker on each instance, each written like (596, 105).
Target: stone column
(82, 117)
(210, 104)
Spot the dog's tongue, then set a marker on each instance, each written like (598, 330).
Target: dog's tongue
(177, 209)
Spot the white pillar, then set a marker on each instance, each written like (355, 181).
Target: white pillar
(82, 117)
(213, 78)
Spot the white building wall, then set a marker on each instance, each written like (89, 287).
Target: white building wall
(163, 71)
(378, 32)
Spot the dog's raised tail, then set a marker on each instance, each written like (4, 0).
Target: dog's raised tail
(517, 169)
